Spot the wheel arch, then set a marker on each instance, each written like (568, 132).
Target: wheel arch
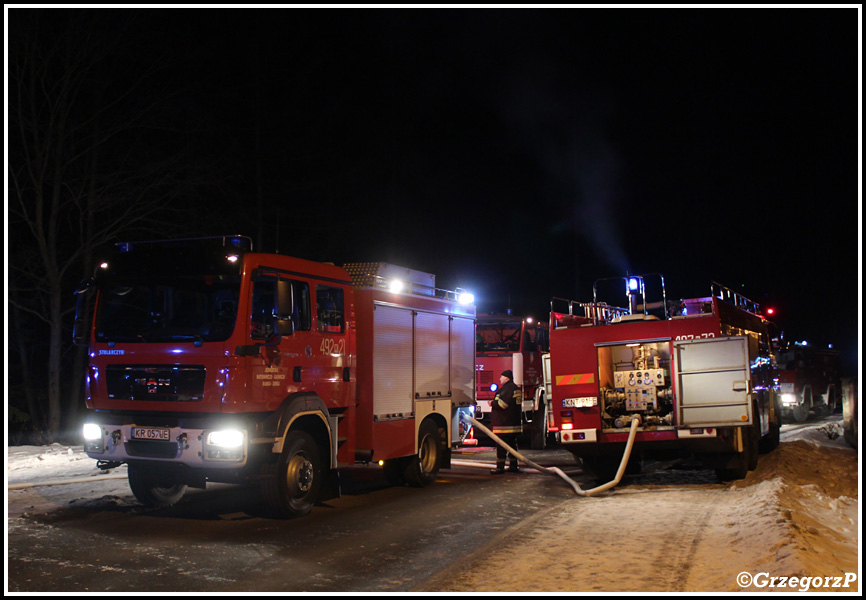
(303, 412)
(441, 423)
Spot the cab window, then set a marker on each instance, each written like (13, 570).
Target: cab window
(265, 312)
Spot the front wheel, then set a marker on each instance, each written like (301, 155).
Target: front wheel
(152, 489)
(291, 484)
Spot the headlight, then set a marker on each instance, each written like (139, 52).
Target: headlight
(225, 445)
(227, 438)
(789, 399)
(92, 431)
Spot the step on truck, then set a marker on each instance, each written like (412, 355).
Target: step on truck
(697, 373)
(210, 362)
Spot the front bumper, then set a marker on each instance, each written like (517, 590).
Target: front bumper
(122, 442)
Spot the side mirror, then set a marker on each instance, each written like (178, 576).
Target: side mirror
(285, 305)
(80, 330)
(285, 327)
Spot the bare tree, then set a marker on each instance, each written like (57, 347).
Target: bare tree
(92, 157)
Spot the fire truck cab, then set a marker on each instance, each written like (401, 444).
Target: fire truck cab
(507, 342)
(697, 373)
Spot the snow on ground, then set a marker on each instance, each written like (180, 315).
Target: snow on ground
(796, 515)
(52, 464)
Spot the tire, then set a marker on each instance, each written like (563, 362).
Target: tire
(771, 441)
(740, 463)
(754, 439)
(291, 484)
(421, 470)
(738, 468)
(152, 489)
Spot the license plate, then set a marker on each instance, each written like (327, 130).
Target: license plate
(151, 433)
(579, 402)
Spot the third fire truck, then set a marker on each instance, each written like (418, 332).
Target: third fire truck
(809, 381)
(698, 374)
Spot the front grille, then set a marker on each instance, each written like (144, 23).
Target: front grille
(165, 383)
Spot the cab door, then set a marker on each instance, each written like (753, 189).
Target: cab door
(280, 327)
(330, 344)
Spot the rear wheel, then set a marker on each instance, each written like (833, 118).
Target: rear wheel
(739, 464)
(753, 438)
(421, 470)
(291, 484)
(153, 489)
(773, 437)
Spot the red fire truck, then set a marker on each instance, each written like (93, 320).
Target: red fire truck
(698, 374)
(506, 342)
(809, 381)
(210, 362)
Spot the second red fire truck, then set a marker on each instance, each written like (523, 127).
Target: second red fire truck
(698, 374)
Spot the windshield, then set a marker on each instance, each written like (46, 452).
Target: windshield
(498, 336)
(172, 309)
(166, 296)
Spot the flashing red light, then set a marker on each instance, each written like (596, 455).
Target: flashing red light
(771, 311)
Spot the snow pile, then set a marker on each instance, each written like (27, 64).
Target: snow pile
(796, 515)
(813, 486)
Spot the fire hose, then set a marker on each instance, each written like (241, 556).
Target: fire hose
(556, 470)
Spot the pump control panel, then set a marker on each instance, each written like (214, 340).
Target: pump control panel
(639, 378)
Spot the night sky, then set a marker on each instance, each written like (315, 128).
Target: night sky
(524, 153)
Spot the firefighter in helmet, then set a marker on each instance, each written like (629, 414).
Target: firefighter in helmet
(505, 420)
